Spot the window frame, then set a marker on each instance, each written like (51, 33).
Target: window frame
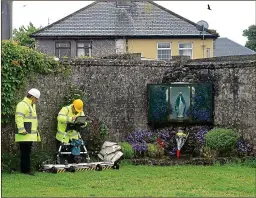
(84, 41)
(192, 53)
(208, 52)
(57, 48)
(164, 49)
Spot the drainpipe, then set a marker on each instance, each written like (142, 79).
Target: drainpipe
(203, 42)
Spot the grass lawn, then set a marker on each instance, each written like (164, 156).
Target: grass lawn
(137, 181)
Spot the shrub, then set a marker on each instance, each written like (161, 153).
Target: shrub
(11, 161)
(127, 150)
(221, 140)
(152, 150)
(95, 135)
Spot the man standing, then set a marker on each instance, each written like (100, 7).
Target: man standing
(26, 128)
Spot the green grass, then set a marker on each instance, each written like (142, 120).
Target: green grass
(200, 181)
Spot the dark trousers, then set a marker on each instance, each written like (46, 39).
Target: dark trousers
(25, 150)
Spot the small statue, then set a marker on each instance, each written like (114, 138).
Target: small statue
(180, 106)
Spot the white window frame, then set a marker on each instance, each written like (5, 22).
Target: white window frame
(192, 53)
(208, 52)
(89, 47)
(164, 49)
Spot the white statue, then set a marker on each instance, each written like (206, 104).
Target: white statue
(180, 106)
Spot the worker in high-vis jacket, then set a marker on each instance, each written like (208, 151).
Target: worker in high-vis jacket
(27, 128)
(67, 115)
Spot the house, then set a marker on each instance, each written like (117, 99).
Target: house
(227, 47)
(109, 27)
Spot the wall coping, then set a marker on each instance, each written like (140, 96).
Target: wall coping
(210, 63)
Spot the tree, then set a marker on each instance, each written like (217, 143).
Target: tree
(21, 35)
(250, 33)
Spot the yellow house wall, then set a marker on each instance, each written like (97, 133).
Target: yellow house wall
(148, 47)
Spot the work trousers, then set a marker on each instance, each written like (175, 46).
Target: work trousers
(25, 150)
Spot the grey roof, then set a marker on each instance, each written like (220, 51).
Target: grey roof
(104, 18)
(227, 47)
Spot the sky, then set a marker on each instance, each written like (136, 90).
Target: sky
(229, 18)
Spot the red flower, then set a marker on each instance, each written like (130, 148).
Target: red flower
(160, 142)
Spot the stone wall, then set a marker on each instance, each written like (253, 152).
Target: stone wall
(116, 92)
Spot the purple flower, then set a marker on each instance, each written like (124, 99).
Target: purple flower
(163, 134)
(172, 152)
(139, 147)
(243, 147)
(200, 136)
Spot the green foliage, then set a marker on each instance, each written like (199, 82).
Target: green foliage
(84, 57)
(19, 65)
(221, 140)
(152, 150)
(73, 93)
(250, 162)
(10, 162)
(250, 33)
(38, 157)
(104, 131)
(21, 35)
(155, 150)
(97, 133)
(127, 150)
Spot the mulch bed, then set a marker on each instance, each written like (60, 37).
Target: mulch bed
(185, 160)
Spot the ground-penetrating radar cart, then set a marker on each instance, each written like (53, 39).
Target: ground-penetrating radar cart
(73, 156)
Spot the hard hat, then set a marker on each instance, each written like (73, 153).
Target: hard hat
(34, 92)
(78, 104)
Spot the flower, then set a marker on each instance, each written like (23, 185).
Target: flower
(200, 136)
(160, 142)
(243, 147)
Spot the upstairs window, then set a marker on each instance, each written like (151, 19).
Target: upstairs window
(186, 49)
(208, 53)
(84, 48)
(164, 51)
(62, 49)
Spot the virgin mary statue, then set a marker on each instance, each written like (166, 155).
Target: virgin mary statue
(180, 106)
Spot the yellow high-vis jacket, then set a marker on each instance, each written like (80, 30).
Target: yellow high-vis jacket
(64, 117)
(26, 121)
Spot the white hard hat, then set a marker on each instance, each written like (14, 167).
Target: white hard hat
(34, 92)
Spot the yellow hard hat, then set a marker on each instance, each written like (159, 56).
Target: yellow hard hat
(78, 105)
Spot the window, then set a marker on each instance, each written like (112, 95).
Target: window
(164, 51)
(62, 49)
(208, 52)
(84, 48)
(186, 49)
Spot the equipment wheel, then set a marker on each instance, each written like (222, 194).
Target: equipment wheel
(98, 167)
(54, 170)
(116, 166)
(72, 169)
